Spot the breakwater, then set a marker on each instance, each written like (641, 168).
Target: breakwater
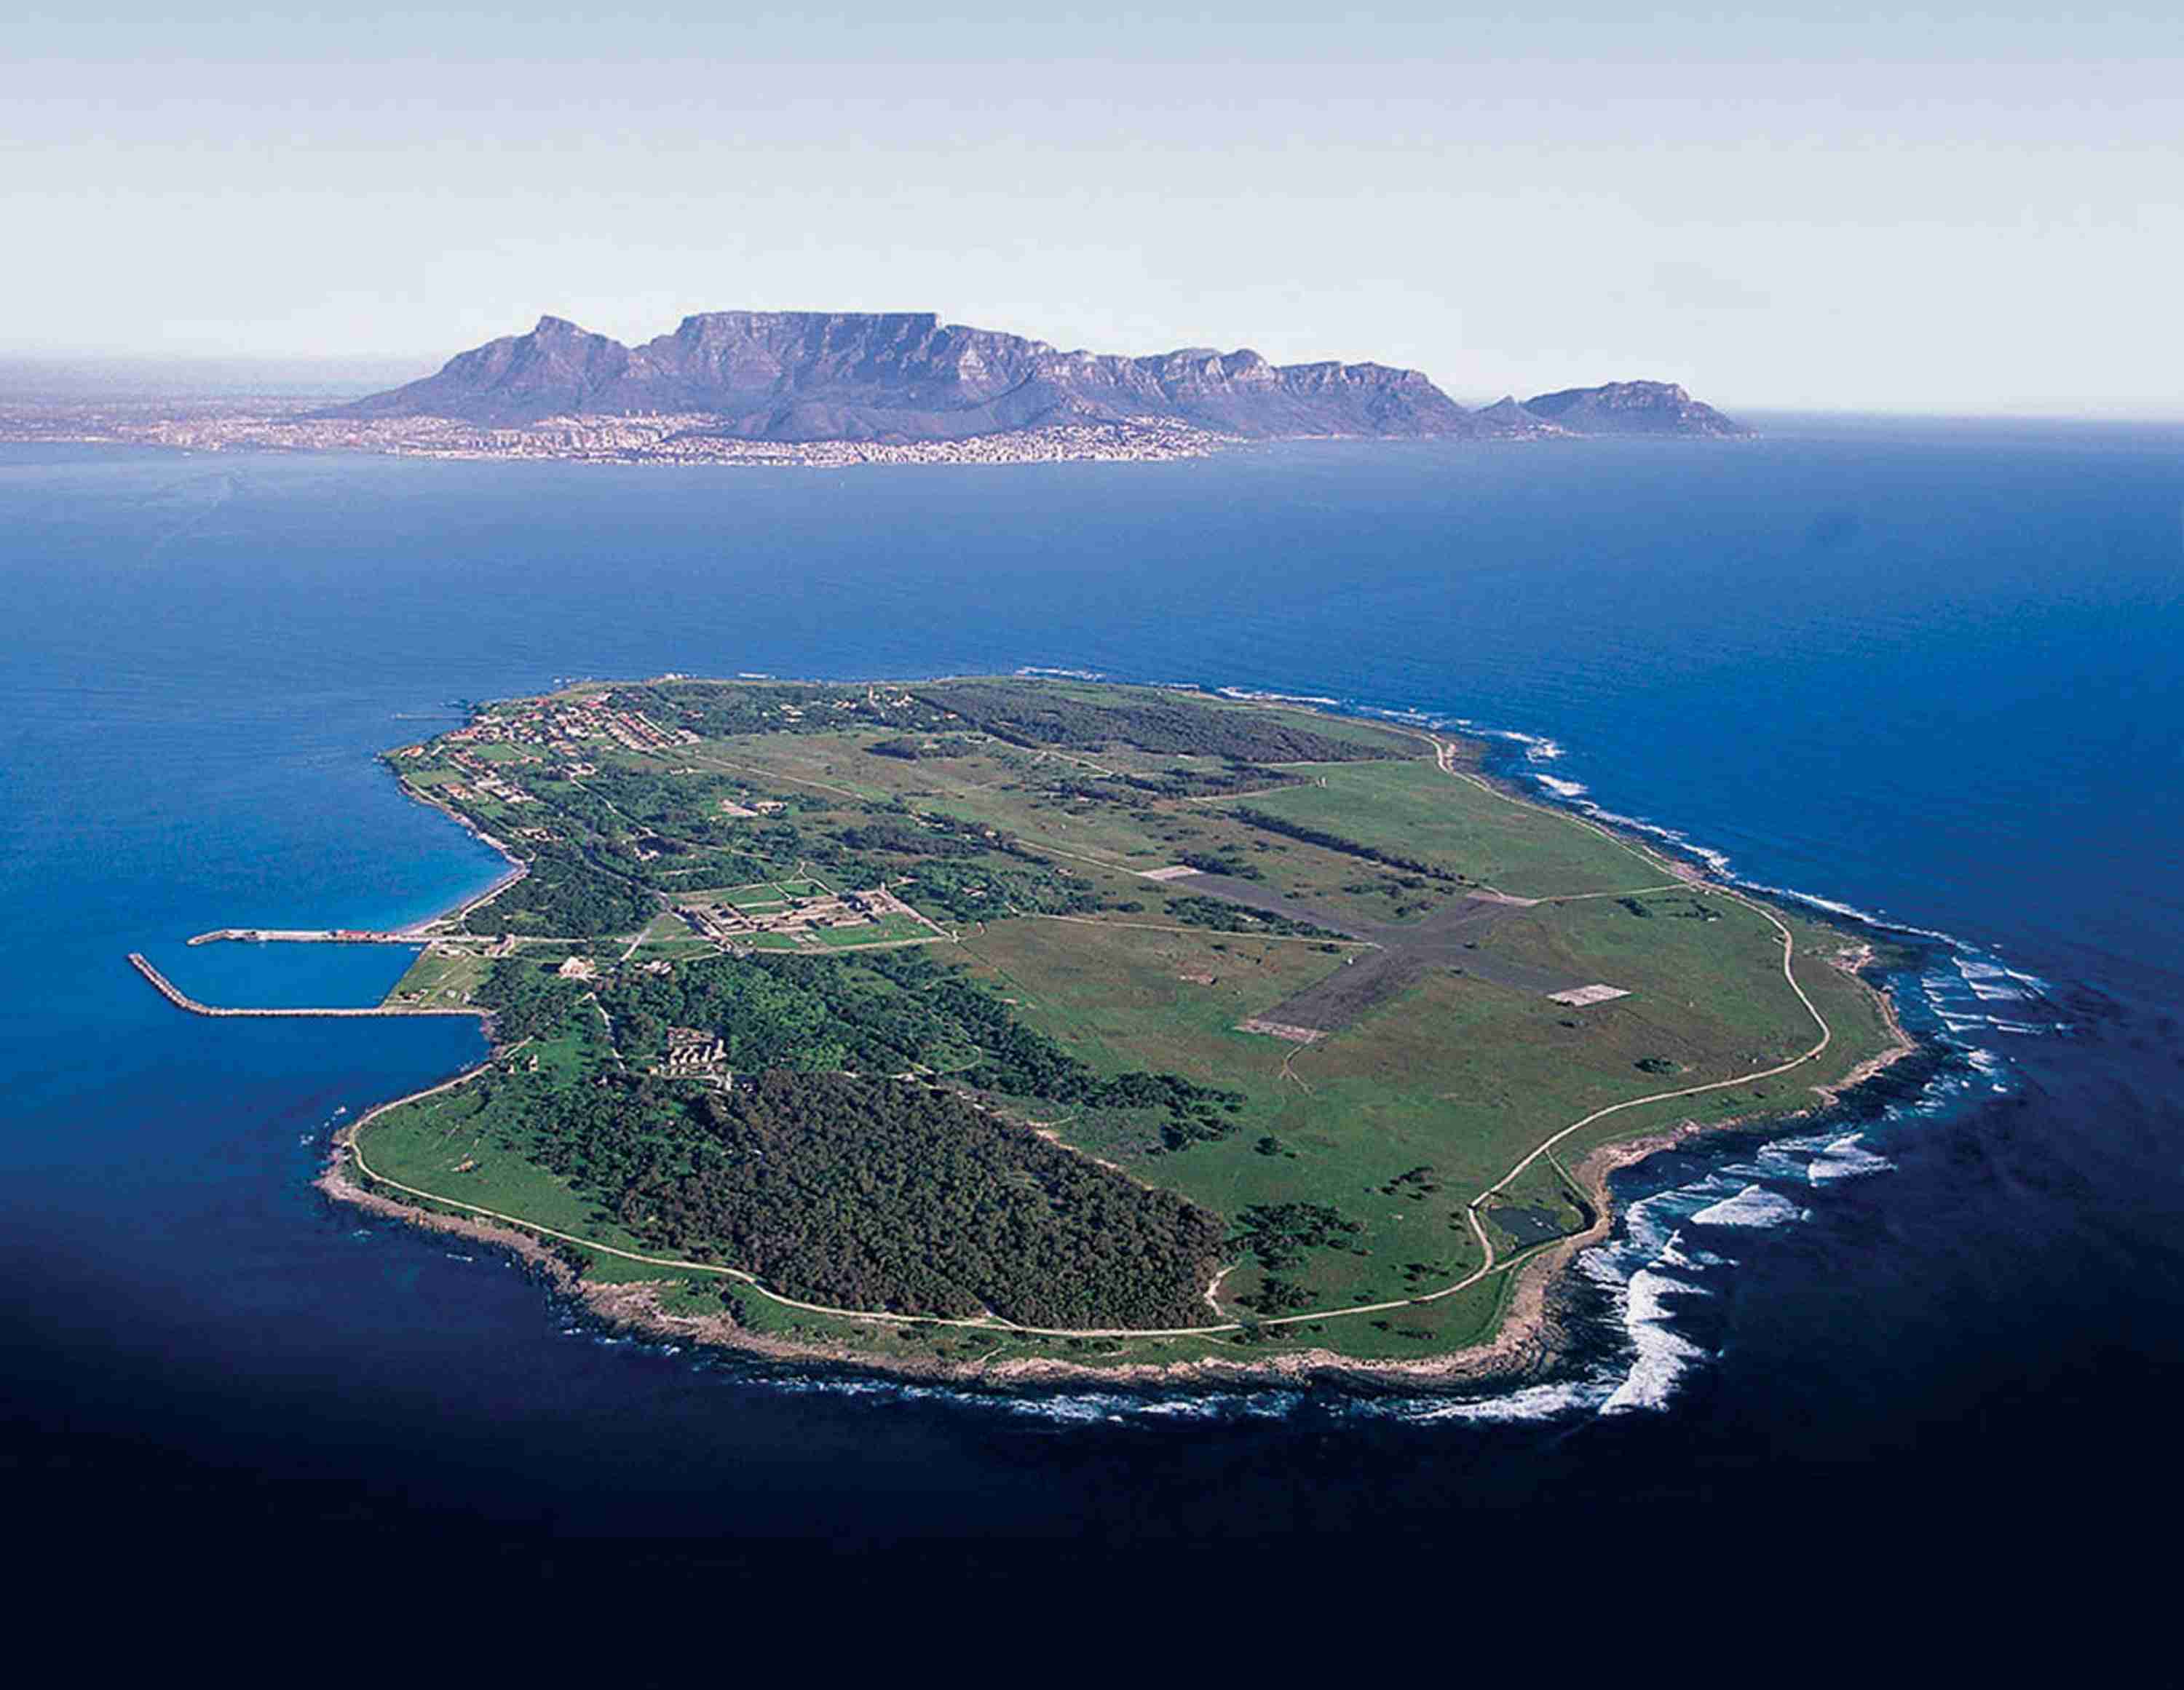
(304, 936)
(181, 1000)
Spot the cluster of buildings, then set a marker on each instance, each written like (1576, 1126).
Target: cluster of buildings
(796, 917)
(483, 780)
(895, 700)
(634, 730)
(694, 1054)
(564, 729)
(561, 728)
(679, 439)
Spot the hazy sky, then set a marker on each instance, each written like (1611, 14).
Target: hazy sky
(1967, 209)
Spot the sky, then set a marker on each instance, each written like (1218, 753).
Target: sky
(1952, 210)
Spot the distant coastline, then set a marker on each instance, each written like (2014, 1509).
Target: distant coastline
(679, 440)
(664, 440)
(828, 390)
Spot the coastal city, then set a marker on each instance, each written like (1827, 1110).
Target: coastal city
(687, 439)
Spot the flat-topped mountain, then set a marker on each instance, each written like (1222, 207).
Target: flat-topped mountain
(905, 377)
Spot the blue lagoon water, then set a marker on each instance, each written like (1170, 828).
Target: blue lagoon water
(1931, 673)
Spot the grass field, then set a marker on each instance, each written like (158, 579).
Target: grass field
(1458, 1076)
(1518, 848)
(881, 929)
(439, 979)
(439, 1147)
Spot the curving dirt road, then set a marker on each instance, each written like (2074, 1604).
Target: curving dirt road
(1488, 1266)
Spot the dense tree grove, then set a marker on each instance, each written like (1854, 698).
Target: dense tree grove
(1223, 917)
(528, 999)
(1277, 1296)
(1202, 783)
(872, 1187)
(871, 1193)
(906, 835)
(866, 1193)
(979, 891)
(812, 1013)
(1031, 714)
(1267, 822)
(1227, 863)
(565, 893)
(1279, 1233)
(718, 708)
(883, 1012)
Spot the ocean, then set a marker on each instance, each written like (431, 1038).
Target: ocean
(1927, 673)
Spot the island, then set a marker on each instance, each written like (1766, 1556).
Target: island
(1004, 1026)
(826, 389)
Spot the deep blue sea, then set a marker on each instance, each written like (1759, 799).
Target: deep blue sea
(1931, 672)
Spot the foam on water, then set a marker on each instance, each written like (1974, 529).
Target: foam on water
(1250, 695)
(1640, 1272)
(1663, 1354)
(1972, 993)
(1989, 979)
(1846, 1158)
(1528, 1403)
(1753, 1206)
(1650, 1268)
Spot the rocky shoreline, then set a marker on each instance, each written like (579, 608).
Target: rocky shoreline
(1525, 1347)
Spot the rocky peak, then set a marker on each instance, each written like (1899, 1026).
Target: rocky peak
(1632, 407)
(906, 376)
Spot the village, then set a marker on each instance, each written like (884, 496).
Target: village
(804, 913)
(558, 727)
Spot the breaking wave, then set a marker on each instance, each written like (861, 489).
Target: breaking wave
(1252, 695)
(1961, 1002)
(1843, 1159)
(1753, 1206)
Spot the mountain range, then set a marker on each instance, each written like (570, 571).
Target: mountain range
(905, 377)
